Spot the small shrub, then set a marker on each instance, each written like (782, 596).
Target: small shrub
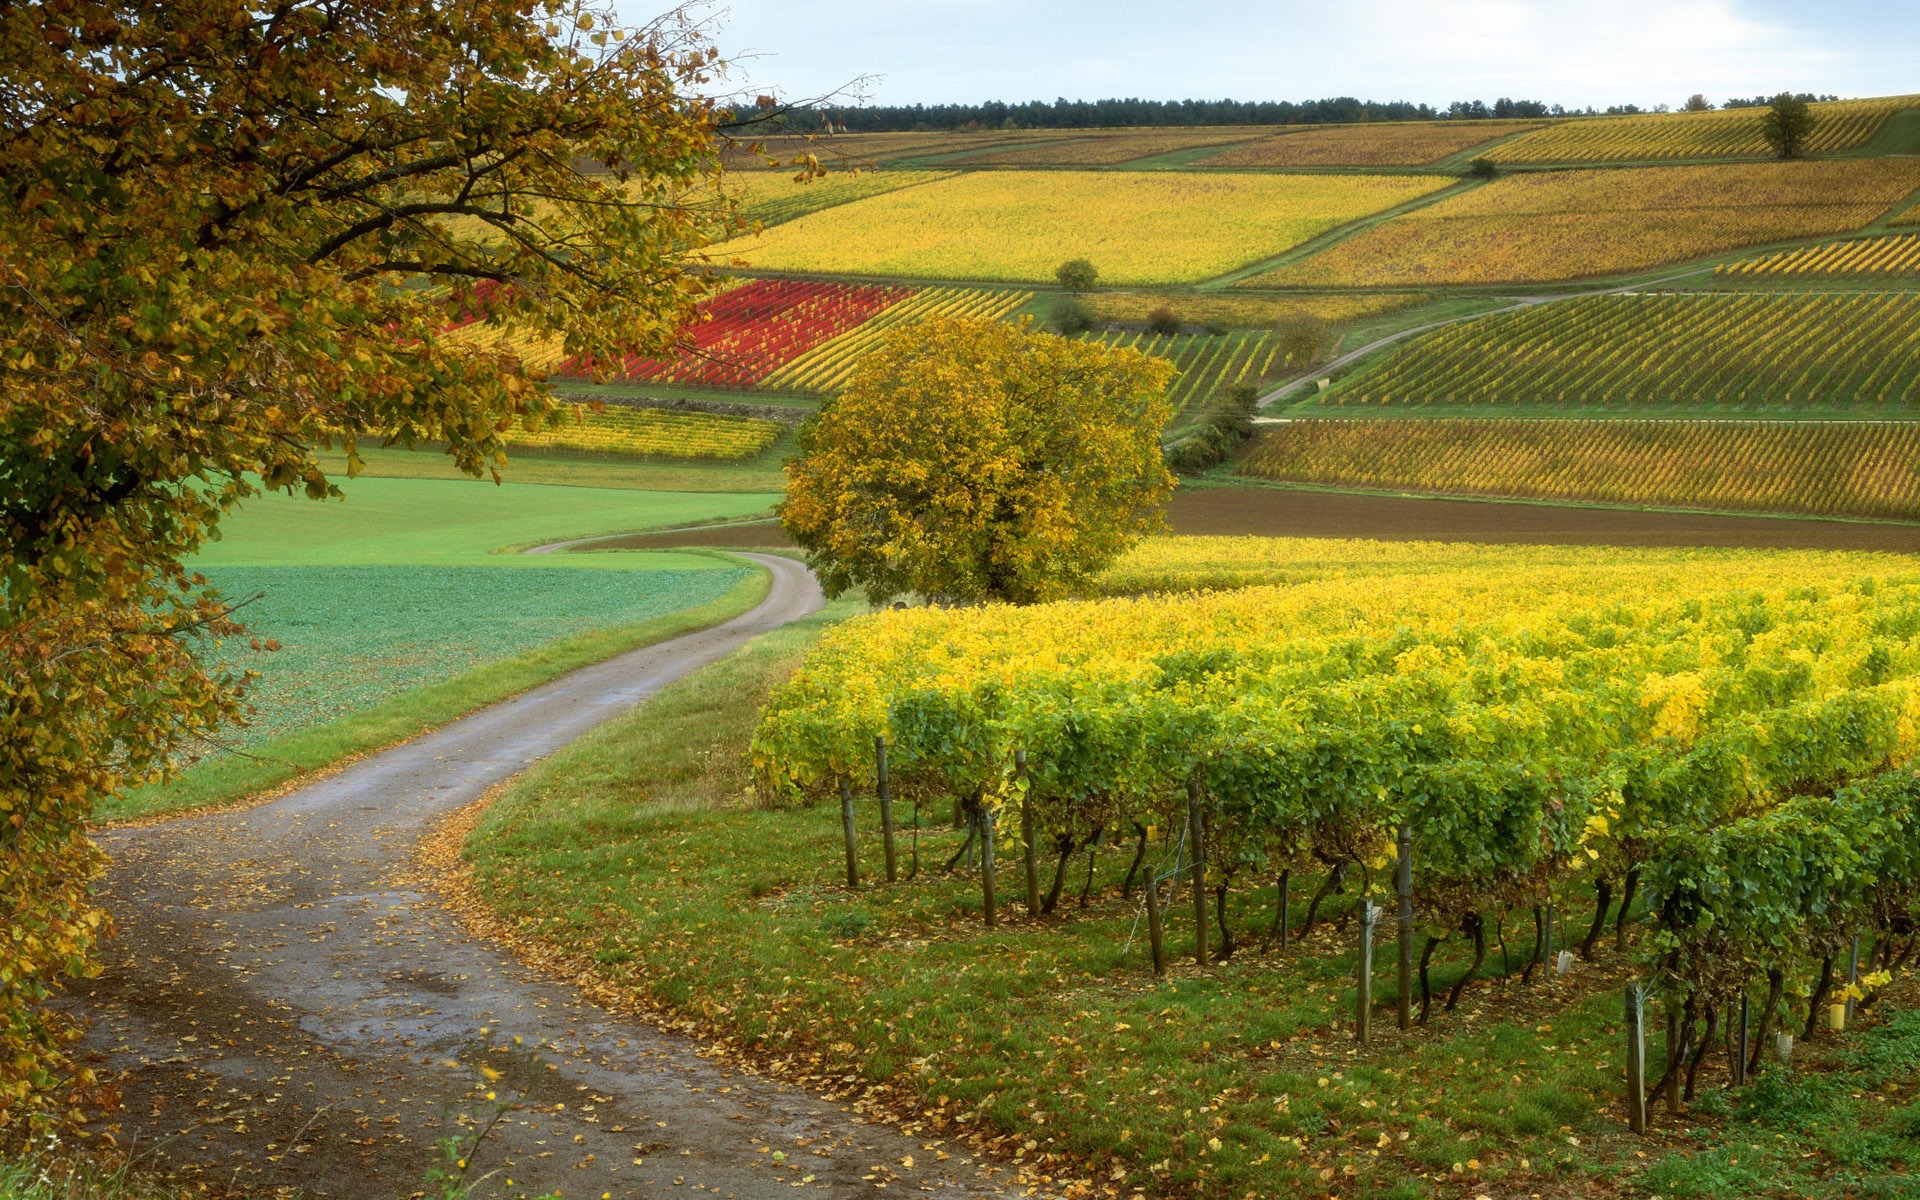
(1164, 320)
(1483, 168)
(1071, 315)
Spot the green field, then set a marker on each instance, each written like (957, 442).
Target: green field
(403, 606)
(1660, 351)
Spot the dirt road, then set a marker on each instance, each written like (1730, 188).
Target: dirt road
(294, 1014)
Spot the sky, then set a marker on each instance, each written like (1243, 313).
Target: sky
(1593, 52)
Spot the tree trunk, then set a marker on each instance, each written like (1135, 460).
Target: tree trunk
(1819, 997)
(1426, 987)
(1093, 856)
(964, 853)
(1776, 983)
(1602, 900)
(1700, 1055)
(1227, 944)
(1065, 846)
(1627, 891)
(1139, 856)
(1335, 878)
(1280, 897)
(1474, 926)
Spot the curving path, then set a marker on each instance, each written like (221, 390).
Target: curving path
(292, 1014)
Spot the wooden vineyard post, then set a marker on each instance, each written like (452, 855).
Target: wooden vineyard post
(1740, 1059)
(1363, 1016)
(1156, 932)
(1546, 941)
(1196, 830)
(846, 827)
(1405, 888)
(1636, 1059)
(986, 868)
(886, 806)
(1286, 905)
(1027, 834)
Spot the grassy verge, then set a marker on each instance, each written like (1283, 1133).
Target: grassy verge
(636, 854)
(229, 778)
(760, 474)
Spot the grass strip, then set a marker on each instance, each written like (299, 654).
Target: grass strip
(638, 856)
(232, 778)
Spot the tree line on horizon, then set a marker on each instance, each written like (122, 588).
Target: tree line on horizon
(1133, 112)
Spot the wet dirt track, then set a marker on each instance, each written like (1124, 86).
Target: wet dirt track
(293, 1015)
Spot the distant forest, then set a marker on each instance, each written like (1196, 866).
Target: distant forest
(1099, 114)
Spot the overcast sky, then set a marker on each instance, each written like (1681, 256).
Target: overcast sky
(1597, 52)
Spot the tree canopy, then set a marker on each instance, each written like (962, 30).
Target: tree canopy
(237, 232)
(976, 460)
(1787, 124)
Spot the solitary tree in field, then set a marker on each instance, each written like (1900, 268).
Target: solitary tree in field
(234, 233)
(1077, 275)
(976, 460)
(1787, 124)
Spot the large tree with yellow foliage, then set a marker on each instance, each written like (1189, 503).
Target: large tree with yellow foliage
(977, 460)
(234, 233)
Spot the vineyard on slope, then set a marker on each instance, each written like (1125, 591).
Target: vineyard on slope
(826, 367)
(1554, 225)
(1728, 133)
(1386, 144)
(1857, 469)
(1893, 255)
(1663, 350)
(1207, 363)
(1685, 735)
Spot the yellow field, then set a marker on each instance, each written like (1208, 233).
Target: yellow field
(537, 352)
(652, 431)
(869, 149)
(1232, 311)
(1146, 227)
(826, 367)
(771, 197)
(1899, 255)
(1731, 133)
(1389, 144)
(1572, 224)
(1105, 148)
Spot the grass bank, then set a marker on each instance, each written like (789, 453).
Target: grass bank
(638, 855)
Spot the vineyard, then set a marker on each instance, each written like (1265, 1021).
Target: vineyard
(1137, 227)
(748, 332)
(1104, 149)
(1406, 144)
(827, 367)
(773, 196)
(1857, 469)
(1899, 255)
(1228, 310)
(1558, 225)
(652, 431)
(1207, 363)
(1729, 133)
(1712, 751)
(1664, 350)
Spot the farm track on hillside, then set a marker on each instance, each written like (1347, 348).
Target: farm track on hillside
(293, 1011)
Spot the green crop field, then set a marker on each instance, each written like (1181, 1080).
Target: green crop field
(1662, 351)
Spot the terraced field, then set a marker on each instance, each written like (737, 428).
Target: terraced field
(1395, 144)
(1137, 228)
(1562, 225)
(1208, 364)
(1664, 351)
(1104, 148)
(1728, 133)
(1851, 469)
(773, 196)
(827, 366)
(1240, 311)
(626, 432)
